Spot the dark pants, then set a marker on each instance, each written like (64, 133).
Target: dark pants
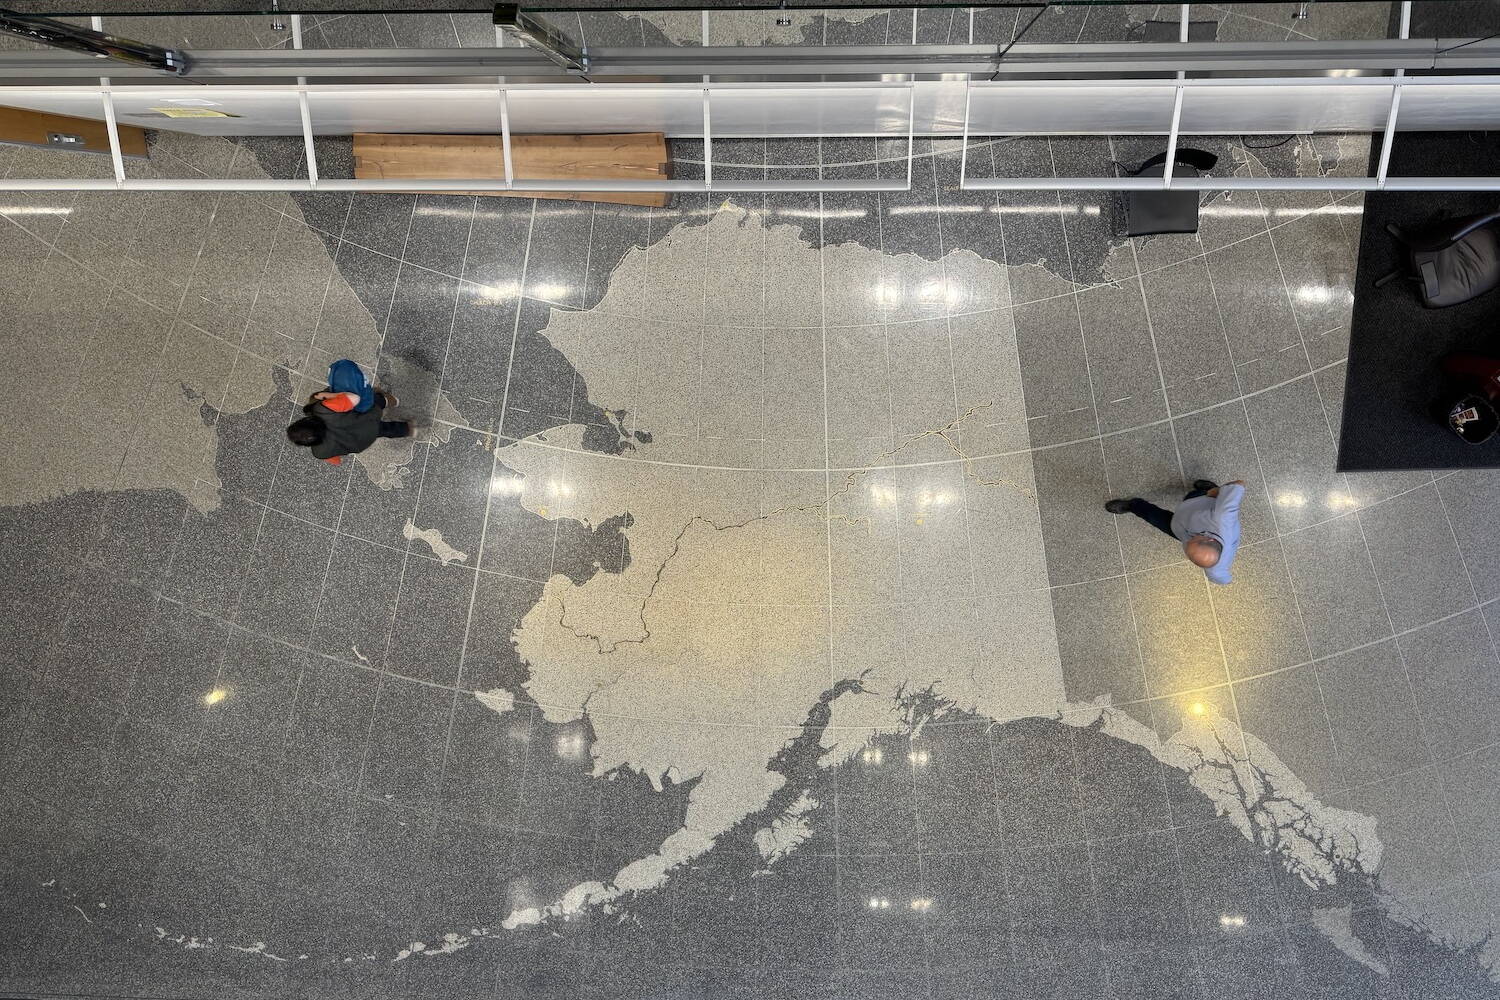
(1154, 515)
(391, 428)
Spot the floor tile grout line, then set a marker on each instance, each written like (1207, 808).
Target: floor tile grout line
(333, 546)
(1140, 651)
(1103, 456)
(489, 502)
(1063, 586)
(829, 727)
(348, 482)
(1297, 323)
(1319, 210)
(208, 226)
(1473, 590)
(1411, 691)
(1182, 474)
(385, 327)
(237, 608)
(1064, 711)
(1275, 521)
(827, 474)
(922, 876)
(442, 375)
(937, 194)
(223, 398)
(1495, 659)
(986, 852)
(281, 444)
(312, 629)
(281, 364)
(1055, 446)
(417, 505)
(1062, 226)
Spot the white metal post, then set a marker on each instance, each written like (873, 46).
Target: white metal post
(1170, 167)
(911, 132)
(305, 110)
(117, 162)
(704, 35)
(963, 150)
(510, 168)
(1475, 100)
(114, 138)
(708, 147)
(1388, 137)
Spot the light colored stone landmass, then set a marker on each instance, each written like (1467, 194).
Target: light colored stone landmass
(497, 700)
(751, 590)
(131, 318)
(1258, 793)
(858, 527)
(1334, 923)
(786, 831)
(434, 541)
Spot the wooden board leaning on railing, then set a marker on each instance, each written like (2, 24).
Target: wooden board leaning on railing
(84, 135)
(637, 156)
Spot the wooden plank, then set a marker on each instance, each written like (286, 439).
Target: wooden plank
(31, 127)
(635, 156)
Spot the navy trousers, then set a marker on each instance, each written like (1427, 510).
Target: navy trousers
(1156, 516)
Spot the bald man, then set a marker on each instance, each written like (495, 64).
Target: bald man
(1207, 524)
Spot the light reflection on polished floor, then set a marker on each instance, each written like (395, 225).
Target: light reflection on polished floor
(745, 620)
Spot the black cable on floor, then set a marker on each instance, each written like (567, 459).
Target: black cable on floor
(1248, 145)
(1000, 59)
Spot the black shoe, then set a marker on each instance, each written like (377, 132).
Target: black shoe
(1118, 506)
(1204, 485)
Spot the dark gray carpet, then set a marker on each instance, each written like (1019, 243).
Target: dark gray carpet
(1395, 345)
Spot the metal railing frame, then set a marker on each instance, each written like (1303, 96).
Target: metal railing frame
(511, 183)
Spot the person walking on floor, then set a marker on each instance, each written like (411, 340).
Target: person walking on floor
(344, 419)
(1207, 523)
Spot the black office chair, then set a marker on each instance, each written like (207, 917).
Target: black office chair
(1451, 260)
(1151, 213)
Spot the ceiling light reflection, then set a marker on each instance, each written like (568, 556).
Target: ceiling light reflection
(1320, 295)
(827, 213)
(887, 294)
(491, 295)
(551, 291)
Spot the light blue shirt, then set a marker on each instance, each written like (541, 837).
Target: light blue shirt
(1216, 516)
